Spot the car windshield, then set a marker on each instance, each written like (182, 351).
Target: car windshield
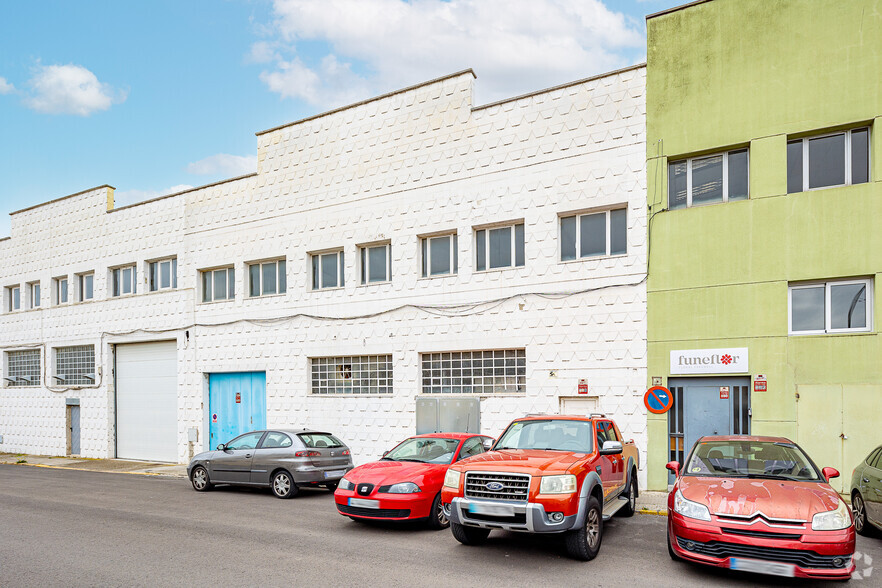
(320, 440)
(552, 434)
(424, 449)
(751, 459)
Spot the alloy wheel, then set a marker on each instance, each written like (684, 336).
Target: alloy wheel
(857, 509)
(442, 518)
(281, 484)
(199, 479)
(592, 528)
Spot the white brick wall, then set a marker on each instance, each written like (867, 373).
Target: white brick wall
(407, 164)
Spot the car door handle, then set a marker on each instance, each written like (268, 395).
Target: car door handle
(247, 455)
(865, 480)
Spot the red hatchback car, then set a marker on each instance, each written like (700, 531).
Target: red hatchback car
(406, 482)
(759, 504)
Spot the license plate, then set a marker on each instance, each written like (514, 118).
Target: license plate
(335, 474)
(499, 510)
(762, 567)
(364, 503)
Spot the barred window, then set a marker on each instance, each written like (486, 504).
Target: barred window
(23, 368)
(475, 372)
(75, 366)
(364, 374)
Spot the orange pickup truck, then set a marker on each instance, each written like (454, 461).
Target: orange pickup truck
(545, 474)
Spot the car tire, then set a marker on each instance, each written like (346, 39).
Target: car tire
(283, 485)
(859, 510)
(631, 507)
(584, 543)
(673, 555)
(437, 519)
(199, 479)
(469, 535)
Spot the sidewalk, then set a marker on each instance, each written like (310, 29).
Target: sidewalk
(118, 466)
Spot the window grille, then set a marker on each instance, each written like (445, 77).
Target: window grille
(75, 366)
(498, 371)
(23, 368)
(365, 374)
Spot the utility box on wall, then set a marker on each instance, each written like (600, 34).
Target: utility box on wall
(448, 415)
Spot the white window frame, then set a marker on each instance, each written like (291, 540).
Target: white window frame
(260, 277)
(355, 375)
(848, 178)
(868, 282)
(35, 301)
(121, 269)
(81, 286)
(341, 269)
(426, 254)
(11, 292)
(512, 245)
(57, 283)
(14, 381)
(364, 263)
(725, 180)
(66, 379)
(230, 279)
(157, 266)
(578, 215)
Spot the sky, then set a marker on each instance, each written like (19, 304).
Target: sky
(157, 96)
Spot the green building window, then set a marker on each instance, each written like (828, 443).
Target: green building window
(831, 307)
(710, 179)
(825, 161)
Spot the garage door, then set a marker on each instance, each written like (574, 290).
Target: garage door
(147, 401)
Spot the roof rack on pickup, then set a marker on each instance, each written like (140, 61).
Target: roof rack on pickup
(598, 415)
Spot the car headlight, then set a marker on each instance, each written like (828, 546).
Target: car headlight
(345, 484)
(451, 479)
(832, 520)
(565, 484)
(692, 510)
(403, 488)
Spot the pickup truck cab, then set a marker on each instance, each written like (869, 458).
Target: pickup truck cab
(545, 474)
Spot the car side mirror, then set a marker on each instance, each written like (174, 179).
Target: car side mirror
(221, 447)
(611, 448)
(674, 466)
(830, 473)
(385, 453)
(488, 444)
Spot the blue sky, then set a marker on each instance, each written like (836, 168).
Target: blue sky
(156, 96)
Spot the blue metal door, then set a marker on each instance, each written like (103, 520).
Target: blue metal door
(236, 405)
(74, 430)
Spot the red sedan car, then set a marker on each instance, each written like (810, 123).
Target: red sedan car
(406, 482)
(759, 504)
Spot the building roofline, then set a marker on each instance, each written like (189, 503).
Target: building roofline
(561, 86)
(367, 101)
(676, 8)
(164, 196)
(62, 198)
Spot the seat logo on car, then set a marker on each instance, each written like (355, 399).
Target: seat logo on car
(494, 486)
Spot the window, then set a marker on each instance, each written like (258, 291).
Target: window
(23, 368)
(327, 270)
(246, 441)
(34, 293)
(832, 307)
(14, 295)
(722, 177)
(475, 372)
(365, 374)
(163, 274)
(276, 440)
(219, 284)
(836, 159)
(376, 263)
(124, 280)
(85, 287)
(473, 446)
(267, 278)
(60, 290)
(499, 247)
(594, 234)
(439, 255)
(75, 366)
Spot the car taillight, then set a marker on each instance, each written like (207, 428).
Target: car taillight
(307, 454)
(345, 452)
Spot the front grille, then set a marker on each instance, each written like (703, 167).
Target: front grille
(803, 559)
(515, 487)
(364, 489)
(374, 513)
(516, 519)
(763, 534)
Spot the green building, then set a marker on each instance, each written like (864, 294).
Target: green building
(764, 161)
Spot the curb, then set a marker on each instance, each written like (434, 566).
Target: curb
(53, 467)
(647, 511)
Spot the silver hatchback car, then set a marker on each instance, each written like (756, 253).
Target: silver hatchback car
(283, 459)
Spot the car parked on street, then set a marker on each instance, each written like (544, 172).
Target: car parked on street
(866, 494)
(759, 504)
(406, 482)
(282, 459)
(545, 474)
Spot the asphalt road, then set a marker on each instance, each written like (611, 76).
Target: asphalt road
(75, 528)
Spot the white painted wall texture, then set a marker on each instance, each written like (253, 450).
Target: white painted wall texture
(411, 163)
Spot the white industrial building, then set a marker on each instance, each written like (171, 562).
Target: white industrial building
(407, 250)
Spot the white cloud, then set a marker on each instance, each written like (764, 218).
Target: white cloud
(6, 87)
(126, 197)
(262, 52)
(513, 45)
(70, 89)
(224, 164)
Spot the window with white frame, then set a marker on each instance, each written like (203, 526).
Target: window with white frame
(440, 256)
(327, 270)
(376, 263)
(23, 367)
(499, 247)
(594, 234)
(13, 294)
(75, 365)
(218, 284)
(721, 177)
(266, 278)
(60, 285)
(824, 161)
(496, 371)
(831, 307)
(162, 274)
(360, 374)
(34, 293)
(85, 287)
(124, 280)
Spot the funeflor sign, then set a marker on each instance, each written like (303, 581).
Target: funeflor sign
(709, 361)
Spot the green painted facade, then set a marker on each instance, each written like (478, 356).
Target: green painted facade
(754, 73)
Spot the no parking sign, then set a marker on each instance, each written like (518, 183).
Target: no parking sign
(658, 400)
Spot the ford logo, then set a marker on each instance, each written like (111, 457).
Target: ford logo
(494, 486)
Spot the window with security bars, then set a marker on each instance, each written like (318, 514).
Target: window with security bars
(75, 366)
(23, 368)
(360, 374)
(498, 371)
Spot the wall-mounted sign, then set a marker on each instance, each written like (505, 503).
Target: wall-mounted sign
(656, 380)
(759, 383)
(214, 417)
(238, 398)
(658, 400)
(709, 361)
(583, 386)
(724, 392)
